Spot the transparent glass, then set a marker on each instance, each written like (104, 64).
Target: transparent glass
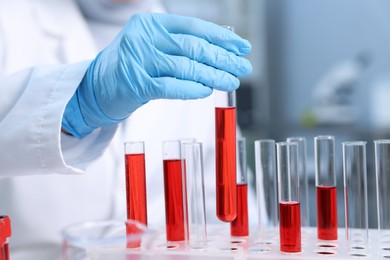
(105, 240)
(239, 226)
(173, 190)
(266, 183)
(225, 143)
(326, 192)
(324, 149)
(303, 180)
(355, 195)
(194, 199)
(382, 171)
(289, 206)
(135, 181)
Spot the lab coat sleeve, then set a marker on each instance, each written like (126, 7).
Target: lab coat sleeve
(32, 103)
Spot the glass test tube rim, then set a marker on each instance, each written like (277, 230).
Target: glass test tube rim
(127, 145)
(354, 143)
(382, 141)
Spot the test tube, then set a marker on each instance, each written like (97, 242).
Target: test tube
(266, 183)
(225, 138)
(325, 178)
(173, 190)
(355, 195)
(136, 181)
(239, 226)
(303, 181)
(382, 170)
(194, 197)
(289, 206)
(5, 234)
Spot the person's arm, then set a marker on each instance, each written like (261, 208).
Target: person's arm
(31, 111)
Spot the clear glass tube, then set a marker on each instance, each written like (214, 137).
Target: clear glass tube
(266, 183)
(303, 180)
(355, 195)
(173, 190)
(239, 226)
(135, 181)
(225, 138)
(289, 206)
(325, 177)
(194, 202)
(382, 171)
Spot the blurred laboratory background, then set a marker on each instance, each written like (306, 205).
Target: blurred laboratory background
(320, 68)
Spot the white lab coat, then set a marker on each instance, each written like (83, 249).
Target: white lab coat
(48, 179)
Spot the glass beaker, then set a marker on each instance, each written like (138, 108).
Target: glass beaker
(106, 240)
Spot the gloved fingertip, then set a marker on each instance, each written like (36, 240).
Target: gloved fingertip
(247, 67)
(245, 48)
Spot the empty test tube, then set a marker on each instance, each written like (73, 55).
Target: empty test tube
(225, 138)
(325, 178)
(382, 171)
(289, 206)
(355, 195)
(239, 226)
(266, 183)
(194, 196)
(303, 180)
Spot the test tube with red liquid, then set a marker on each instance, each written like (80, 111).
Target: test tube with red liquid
(325, 178)
(225, 138)
(173, 190)
(5, 234)
(135, 187)
(136, 181)
(289, 206)
(239, 226)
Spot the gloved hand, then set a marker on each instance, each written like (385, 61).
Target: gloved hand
(156, 56)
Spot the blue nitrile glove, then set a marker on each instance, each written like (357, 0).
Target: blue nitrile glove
(156, 56)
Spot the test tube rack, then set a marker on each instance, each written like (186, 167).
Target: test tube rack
(264, 245)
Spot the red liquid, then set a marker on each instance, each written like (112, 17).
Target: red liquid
(290, 227)
(6, 251)
(173, 200)
(239, 226)
(136, 187)
(327, 212)
(225, 136)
